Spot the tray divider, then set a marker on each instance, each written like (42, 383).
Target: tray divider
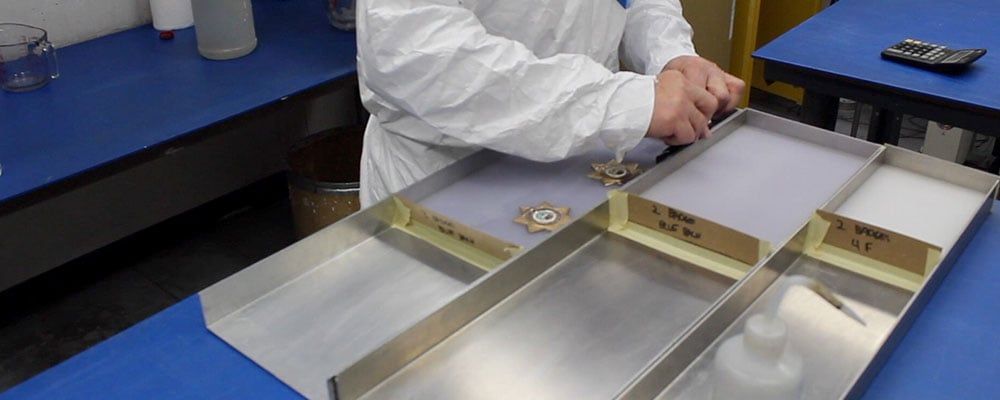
(898, 260)
(468, 244)
(627, 224)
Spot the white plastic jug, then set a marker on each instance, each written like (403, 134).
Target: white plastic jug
(224, 28)
(758, 364)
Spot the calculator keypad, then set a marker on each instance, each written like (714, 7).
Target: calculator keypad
(918, 50)
(932, 56)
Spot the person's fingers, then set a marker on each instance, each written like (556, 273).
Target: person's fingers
(718, 88)
(697, 75)
(733, 82)
(736, 88)
(683, 134)
(700, 123)
(704, 100)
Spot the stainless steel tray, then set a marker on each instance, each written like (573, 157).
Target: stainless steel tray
(582, 329)
(596, 319)
(369, 307)
(912, 194)
(308, 312)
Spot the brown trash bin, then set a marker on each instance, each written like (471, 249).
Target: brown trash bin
(324, 170)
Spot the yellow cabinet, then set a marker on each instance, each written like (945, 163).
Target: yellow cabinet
(728, 31)
(776, 18)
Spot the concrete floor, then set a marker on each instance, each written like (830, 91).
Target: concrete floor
(78, 305)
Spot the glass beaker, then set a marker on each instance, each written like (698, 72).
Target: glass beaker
(341, 14)
(27, 59)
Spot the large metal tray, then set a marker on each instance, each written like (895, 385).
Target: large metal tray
(554, 338)
(364, 307)
(920, 196)
(310, 311)
(583, 329)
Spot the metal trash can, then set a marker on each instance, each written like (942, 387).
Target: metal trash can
(324, 170)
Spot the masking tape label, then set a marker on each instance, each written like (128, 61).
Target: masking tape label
(878, 243)
(460, 232)
(695, 230)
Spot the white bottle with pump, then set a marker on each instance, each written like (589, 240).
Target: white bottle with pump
(760, 364)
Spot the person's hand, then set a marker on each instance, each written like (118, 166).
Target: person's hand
(681, 110)
(727, 89)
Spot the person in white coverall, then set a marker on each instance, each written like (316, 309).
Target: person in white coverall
(534, 78)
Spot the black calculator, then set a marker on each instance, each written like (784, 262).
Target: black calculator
(932, 56)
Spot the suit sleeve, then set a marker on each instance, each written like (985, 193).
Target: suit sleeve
(437, 76)
(655, 33)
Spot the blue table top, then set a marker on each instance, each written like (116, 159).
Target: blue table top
(846, 39)
(129, 91)
(950, 352)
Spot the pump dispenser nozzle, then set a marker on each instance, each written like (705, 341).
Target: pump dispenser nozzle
(817, 287)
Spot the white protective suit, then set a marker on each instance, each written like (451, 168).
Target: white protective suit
(533, 78)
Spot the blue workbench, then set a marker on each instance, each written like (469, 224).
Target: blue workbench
(836, 53)
(128, 92)
(99, 113)
(951, 351)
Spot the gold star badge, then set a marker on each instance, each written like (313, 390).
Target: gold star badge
(614, 172)
(543, 217)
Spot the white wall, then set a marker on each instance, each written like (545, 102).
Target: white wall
(74, 21)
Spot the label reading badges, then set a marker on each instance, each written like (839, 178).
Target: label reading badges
(543, 217)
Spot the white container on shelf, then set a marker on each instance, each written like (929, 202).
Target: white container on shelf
(224, 28)
(171, 15)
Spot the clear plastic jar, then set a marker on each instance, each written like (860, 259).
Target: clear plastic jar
(224, 28)
(342, 14)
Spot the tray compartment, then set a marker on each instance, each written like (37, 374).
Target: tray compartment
(581, 330)
(841, 356)
(759, 174)
(833, 345)
(924, 207)
(320, 305)
(489, 198)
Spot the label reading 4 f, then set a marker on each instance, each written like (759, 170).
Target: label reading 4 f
(877, 243)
